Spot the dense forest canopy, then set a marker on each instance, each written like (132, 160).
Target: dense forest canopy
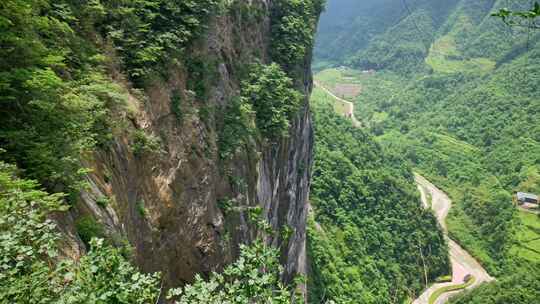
(370, 238)
(33, 273)
(448, 88)
(453, 87)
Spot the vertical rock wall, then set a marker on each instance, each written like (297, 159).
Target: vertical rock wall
(165, 202)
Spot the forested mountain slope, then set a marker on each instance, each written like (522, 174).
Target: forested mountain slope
(370, 240)
(459, 98)
(393, 32)
(399, 35)
(338, 36)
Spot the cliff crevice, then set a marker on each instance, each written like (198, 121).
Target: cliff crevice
(163, 179)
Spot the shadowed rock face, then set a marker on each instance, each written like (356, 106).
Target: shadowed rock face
(165, 202)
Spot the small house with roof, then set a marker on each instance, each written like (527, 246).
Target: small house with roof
(527, 198)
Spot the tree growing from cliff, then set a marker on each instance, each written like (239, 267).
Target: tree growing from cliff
(55, 99)
(55, 95)
(30, 268)
(253, 278)
(275, 101)
(528, 18)
(293, 28)
(32, 272)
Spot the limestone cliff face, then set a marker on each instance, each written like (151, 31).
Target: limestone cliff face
(166, 203)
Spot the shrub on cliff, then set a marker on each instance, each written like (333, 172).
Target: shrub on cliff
(147, 32)
(293, 28)
(30, 270)
(253, 278)
(238, 126)
(274, 100)
(267, 104)
(55, 99)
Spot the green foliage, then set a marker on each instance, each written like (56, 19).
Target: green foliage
(526, 18)
(176, 105)
(104, 275)
(202, 72)
(521, 288)
(26, 236)
(88, 228)
(55, 98)
(238, 126)
(31, 272)
(286, 233)
(273, 98)
(373, 233)
(103, 201)
(147, 32)
(144, 143)
(256, 217)
(141, 209)
(255, 214)
(293, 28)
(253, 278)
(225, 205)
(248, 13)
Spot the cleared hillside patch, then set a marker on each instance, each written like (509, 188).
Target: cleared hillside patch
(444, 57)
(528, 235)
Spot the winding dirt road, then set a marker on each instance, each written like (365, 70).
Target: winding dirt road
(347, 105)
(463, 263)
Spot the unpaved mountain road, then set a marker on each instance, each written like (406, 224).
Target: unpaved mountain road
(347, 105)
(462, 262)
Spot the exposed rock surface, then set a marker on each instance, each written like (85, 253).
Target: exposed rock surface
(165, 203)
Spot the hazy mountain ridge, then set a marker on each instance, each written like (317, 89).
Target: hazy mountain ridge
(459, 99)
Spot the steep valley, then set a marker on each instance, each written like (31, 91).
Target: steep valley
(456, 95)
(182, 151)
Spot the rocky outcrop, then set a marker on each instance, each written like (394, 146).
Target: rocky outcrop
(165, 199)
